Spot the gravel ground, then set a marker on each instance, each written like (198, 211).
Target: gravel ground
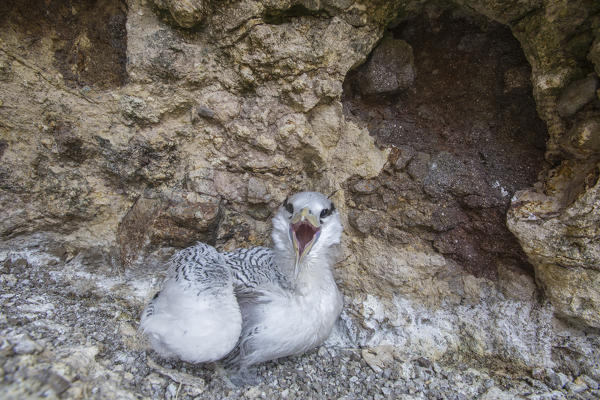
(63, 337)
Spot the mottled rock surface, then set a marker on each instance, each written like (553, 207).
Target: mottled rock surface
(577, 95)
(567, 259)
(129, 130)
(75, 337)
(389, 69)
(465, 142)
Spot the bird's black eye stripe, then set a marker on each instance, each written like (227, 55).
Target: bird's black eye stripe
(288, 206)
(326, 212)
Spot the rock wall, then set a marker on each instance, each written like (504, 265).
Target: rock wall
(128, 130)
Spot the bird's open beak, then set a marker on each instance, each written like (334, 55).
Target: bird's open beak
(305, 229)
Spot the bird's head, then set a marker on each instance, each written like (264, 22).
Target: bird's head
(305, 227)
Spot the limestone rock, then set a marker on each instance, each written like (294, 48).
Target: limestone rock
(583, 139)
(176, 221)
(515, 283)
(573, 291)
(544, 35)
(557, 380)
(127, 133)
(560, 236)
(186, 13)
(23, 344)
(380, 358)
(576, 95)
(257, 191)
(365, 222)
(495, 393)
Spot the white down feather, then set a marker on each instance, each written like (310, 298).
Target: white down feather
(195, 327)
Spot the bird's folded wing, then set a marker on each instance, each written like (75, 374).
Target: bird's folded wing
(254, 267)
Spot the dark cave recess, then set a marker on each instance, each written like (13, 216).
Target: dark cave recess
(467, 136)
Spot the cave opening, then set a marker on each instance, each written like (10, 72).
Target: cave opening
(87, 39)
(451, 93)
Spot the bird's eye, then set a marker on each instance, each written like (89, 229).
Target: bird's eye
(288, 206)
(326, 212)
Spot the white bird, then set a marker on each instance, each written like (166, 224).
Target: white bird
(252, 305)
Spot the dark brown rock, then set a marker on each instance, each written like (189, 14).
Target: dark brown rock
(458, 156)
(404, 155)
(3, 146)
(389, 70)
(363, 220)
(89, 38)
(364, 186)
(176, 221)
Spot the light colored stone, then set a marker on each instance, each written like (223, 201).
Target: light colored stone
(589, 382)
(82, 358)
(584, 137)
(562, 242)
(573, 291)
(495, 393)
(187, 13)
(576, 387)
(557, 380)
(514, 283)
(577, 95)
(327, 122)
(379, 358)
(23, 344)
(257, 191)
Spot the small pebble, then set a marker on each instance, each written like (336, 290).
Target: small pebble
(323, 352)
(253, 393)
(171, 391)
(576, 387)
(58, 383)
(205, 112)
(557, 380)
(25, 345)
(592, 384)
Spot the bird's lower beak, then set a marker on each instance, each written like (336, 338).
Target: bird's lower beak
(304, 232)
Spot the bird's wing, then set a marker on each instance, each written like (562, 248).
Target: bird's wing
(253, 268)
(195, 316)
(256, 278)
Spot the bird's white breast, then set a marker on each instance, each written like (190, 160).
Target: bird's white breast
(292, 323)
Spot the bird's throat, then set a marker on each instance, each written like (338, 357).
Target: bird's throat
(304, 235)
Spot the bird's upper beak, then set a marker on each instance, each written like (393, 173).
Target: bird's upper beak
(305, 229)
